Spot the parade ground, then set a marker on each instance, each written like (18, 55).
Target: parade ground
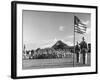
(55, 63)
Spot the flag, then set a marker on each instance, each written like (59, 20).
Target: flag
(79, 27)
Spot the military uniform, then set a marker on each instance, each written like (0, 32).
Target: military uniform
(77, 50)
(83, 47)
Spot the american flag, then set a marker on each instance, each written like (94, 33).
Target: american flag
(79, 27)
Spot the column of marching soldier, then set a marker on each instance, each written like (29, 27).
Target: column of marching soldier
(81, 48)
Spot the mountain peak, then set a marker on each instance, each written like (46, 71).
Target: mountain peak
(59, 42)
(60, 45)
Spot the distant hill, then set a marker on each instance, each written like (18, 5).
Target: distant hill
(60, 45)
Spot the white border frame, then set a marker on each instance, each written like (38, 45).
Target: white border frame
(36, 72)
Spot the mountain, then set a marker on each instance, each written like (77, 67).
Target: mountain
(60, 45)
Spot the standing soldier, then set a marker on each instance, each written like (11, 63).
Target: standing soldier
(77, 50)
(83, 47)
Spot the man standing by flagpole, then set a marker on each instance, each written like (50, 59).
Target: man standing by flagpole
(79, 28)
(77, 50)
(83, 47)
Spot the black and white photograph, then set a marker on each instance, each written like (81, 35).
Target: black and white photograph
(53, 39)
(56, 39)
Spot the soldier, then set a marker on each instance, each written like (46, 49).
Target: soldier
(77, 50)
(83, 47)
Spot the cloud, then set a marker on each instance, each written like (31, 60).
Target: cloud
(48, 43)
(45, 44)
(68, 43)
(68, 40)
(85, 22)
(88, 30)
(68, 37)
(61, 28)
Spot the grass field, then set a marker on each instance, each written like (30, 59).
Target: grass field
(53, 63)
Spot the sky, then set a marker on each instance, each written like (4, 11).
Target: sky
(43, 29)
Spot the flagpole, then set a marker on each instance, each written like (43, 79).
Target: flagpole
(74, 42)
(77, 28)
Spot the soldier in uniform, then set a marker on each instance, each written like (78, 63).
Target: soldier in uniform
(83, 47)
(77, 50)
